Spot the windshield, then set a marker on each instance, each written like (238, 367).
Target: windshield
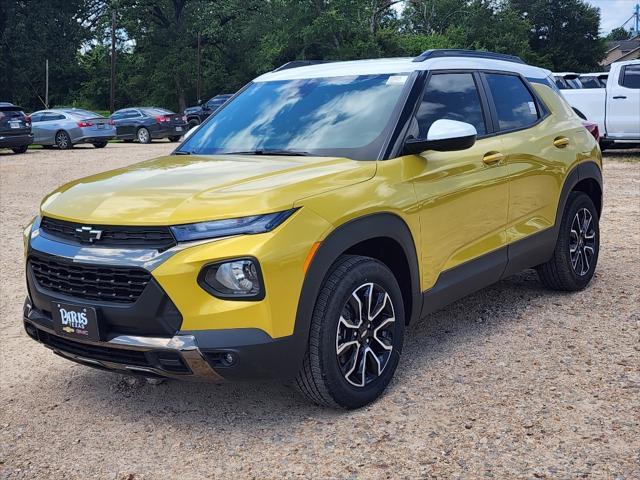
(341, 116)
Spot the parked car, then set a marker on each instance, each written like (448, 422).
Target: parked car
(593, 80)
(66, 127)
(567, 80)
(322, 209)
(198, 114)
(15, 128)
(147, 123)
(615, 108)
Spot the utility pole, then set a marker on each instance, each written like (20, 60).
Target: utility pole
(112, 89)
(198, 75)
(46, 83)
(637, 19)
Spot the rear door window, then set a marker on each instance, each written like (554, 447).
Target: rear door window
(631, 77)
(451, 96)
(515, 106)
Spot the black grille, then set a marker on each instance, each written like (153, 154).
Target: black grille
(159, 238)
(112, 284)
(95, 352)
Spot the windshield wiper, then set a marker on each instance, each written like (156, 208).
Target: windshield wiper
(273, 151)
(180, 152)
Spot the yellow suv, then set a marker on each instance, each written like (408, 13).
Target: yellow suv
(322, 209)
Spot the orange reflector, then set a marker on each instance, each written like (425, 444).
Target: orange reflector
(312, 252)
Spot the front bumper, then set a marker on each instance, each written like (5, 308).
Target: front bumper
(199, 355)
(173, 314)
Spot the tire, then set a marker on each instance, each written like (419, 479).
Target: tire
(63, 141)
(143, 135)
(100, 144)
(332, 378)
(576, 254)
(193, 123)
(20, 149)
(174, 139)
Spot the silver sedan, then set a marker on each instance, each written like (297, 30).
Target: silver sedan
(66, 127)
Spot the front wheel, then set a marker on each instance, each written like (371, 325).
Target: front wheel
(100, 144)
(576, 254)
(356, 335)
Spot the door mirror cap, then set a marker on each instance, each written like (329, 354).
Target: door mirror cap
(444, 136)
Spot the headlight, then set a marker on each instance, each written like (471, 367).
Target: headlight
(232, 226)
(233, 279)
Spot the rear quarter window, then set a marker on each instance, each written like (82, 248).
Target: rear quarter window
(631, 76)
(515, 106)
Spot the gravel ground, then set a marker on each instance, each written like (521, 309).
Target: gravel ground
(512, 382)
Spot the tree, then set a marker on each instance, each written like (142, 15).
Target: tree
(30, 33)
(619, 33)
(564, 33)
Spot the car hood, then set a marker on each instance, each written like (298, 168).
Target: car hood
(183, 189)
(192, 110)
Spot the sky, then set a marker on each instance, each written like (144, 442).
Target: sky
(613, 13)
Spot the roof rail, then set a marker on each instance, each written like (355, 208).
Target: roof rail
(302, 63)
(459, 52)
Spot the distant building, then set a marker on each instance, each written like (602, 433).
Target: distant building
(620, 50)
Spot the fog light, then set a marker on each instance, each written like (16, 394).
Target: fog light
(229, 359)
(234, 279)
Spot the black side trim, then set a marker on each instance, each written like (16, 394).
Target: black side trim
(464, 279)
(531, 251)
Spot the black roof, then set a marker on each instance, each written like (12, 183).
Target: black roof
(459, 52)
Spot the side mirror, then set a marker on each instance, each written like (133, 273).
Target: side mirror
(444, 136)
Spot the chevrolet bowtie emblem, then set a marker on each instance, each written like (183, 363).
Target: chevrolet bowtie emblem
(88, 234)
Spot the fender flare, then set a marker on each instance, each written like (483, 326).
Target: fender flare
(345, 236)
(582, 171)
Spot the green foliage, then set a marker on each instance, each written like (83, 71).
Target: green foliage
(619, 33)
(564, 32)
(157, 41)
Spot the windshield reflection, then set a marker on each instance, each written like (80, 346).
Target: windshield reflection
(342, 116)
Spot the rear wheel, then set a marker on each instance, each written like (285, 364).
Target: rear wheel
(174, 138)
(143, 135)
(193, 123)
(63, 141)
(356, 335)
(576, 254)
(21, 149)
(100, 144)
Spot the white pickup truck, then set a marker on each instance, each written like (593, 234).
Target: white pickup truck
(616, 108)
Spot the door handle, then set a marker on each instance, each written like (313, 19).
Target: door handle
(619, 97)
(493, 158)
(561, 142)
